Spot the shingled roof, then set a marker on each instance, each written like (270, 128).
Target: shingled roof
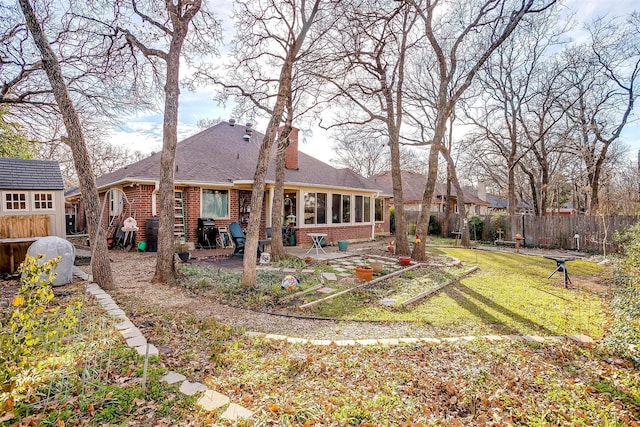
(222, 155)
(20, 174)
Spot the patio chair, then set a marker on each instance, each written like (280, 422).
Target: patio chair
(264, 244)
(238, 237)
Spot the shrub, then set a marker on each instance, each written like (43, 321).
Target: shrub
(434, 226)
(476, 226)
(625, 330)
(34, 325)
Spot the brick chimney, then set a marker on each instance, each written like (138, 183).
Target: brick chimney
(291, 153)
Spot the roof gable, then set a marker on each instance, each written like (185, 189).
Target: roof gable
(20, 174)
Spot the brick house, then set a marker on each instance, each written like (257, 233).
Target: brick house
(213, 179)
(413, 185)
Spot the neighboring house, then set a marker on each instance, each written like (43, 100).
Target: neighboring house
(32, 206)
(214, 172)
(413, 185)
(498, 205)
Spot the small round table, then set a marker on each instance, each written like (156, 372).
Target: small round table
(317, 242)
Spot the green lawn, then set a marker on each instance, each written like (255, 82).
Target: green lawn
(509, 294)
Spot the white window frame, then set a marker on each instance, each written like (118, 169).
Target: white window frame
(43, 193)
(227, 215)
(15, 193)
(315, 206)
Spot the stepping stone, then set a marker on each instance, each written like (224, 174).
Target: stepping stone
(339, 269)
(117, 313)
(136, 341)
(127, 324)
(130, 333)
(308, 271)
(236, 412)
(211, 400)
(153, 350)
(289, 270)
(581, 338)
(330, 276)
(344, 274)
(173, 377)
(325, 290)
(388, 302)
(190, 388)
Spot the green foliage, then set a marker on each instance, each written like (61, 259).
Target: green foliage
(35, 324)
(412, 228)
(476, 226)
(625, 330)
(434, 226)
(498, 222)
(13, 143)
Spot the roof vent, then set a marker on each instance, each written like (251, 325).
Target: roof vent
(232, 122)
(246, 137)
(249, 127)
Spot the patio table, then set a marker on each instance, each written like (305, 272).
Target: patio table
(317, 242)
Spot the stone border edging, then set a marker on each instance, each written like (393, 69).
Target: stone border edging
(579, 338)
(209, 400)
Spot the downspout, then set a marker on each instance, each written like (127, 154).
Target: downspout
(372, 215)
(154, 198)
(270, 206)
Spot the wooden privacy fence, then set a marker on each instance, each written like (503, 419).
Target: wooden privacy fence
(17, 232)
(587, 233)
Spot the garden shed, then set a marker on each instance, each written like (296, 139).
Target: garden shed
(32, 206)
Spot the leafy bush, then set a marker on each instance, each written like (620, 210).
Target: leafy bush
(625, 330)
(476, 226)
(35, 324)
(434, 226)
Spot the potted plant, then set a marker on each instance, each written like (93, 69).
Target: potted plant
(364, 273)
(182, 249)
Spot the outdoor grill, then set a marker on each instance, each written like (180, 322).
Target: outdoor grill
(207, 233)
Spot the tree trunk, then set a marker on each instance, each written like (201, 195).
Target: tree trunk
(277, 245)
(402, 245)
(165, 264)
(101, 268)
(422, 227)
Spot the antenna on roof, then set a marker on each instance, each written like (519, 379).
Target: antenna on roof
(232, 122)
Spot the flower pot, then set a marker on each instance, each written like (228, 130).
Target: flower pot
(376, 266)
(404, 260)
(343, 245)
(364, 273)
(184, 256)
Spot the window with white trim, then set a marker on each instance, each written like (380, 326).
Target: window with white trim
(14, 201)
(215, 203)
(363, 209)
(379, 210)
(315, 208)
(42, 201)
(340, 208)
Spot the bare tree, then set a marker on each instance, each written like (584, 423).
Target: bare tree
(273, 40)
(101, 267)
(370, 50)
(603, 94)
(461, 38)
(168, 28)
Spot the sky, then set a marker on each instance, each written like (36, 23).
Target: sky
(144, 132)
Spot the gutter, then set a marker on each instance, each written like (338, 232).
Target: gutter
(154, 198)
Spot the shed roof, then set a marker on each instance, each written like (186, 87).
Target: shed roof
(20, 174)
(222, 155)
